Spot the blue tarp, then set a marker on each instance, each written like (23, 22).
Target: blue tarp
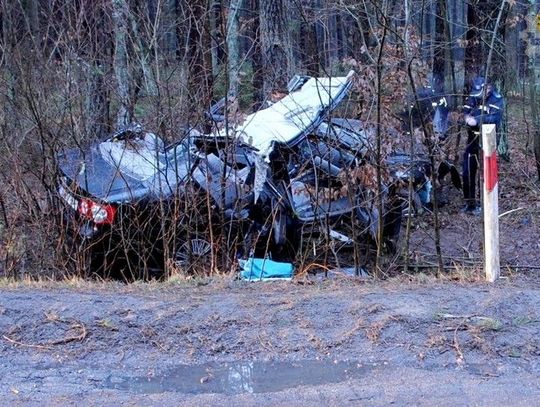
(255, 269)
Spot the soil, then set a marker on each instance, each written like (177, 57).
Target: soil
(275, 343)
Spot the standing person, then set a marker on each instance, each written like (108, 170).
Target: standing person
(484, 105)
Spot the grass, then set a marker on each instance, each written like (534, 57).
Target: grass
(107, 324)
(524, 320)
(40, 282)
(458, 273)
(488, 324)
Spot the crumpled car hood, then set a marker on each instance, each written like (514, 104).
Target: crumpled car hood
(295, 115)
(112, 172)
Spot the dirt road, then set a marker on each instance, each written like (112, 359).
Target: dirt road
(230, 343)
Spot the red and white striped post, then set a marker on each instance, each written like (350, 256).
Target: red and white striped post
(491, 203)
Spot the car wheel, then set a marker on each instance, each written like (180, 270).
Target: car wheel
(194, 256)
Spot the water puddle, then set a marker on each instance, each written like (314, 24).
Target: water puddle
(243, 377)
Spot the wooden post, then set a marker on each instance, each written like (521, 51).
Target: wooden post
(491, 203)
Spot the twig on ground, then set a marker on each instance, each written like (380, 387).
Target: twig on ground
(520, 266)
(428, 265)
(160, 346)
(454, 258)
(80, 336)
(121, 356)
(447, 316)
(26, 345)
(510, 211)
(461, 357)
(265, 345)
(310, 266)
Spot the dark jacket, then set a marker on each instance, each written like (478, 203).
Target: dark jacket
(488, 113)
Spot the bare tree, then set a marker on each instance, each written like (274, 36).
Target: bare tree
(120, 16)
(275, 44)
(534, 80)
(233, 45)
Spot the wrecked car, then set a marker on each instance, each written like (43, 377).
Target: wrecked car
(130, 200)
(287, 181)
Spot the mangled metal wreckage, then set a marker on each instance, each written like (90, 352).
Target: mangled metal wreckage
(287, 180)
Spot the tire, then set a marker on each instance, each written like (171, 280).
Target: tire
(193, 256)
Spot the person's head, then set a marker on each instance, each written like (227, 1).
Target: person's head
(481, 85)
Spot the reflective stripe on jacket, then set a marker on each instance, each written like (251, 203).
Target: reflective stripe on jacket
(488, 113)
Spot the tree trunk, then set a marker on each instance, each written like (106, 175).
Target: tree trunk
(276, 45)
(511, 47)
(458, 18)
(308, 40)
(331, 40)
(473, 51)
(182, 25)
(95, 51)
(9, 117)
(32, 12)
(428, 13)
(170, 39)
(216, 33)
(254, 34)
(499, 61)
(143, 55)
(534, 59)
(200, 58)
(233, 51)
(121, 66)
(440, 47)
(481, 21)
(96, 101)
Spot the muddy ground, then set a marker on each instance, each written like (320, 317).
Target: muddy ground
(233, 343)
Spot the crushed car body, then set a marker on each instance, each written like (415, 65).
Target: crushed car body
(289, 178)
